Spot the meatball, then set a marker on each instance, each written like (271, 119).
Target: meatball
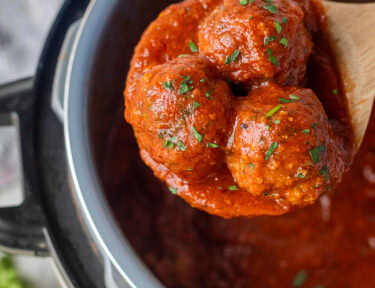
(282, 145)
(180, 113)
(257, 41)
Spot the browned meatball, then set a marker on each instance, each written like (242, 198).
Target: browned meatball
(282, 145)
(179, 112)
(256, 41)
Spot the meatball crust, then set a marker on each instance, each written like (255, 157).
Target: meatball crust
(257, 41)
(282, 145)
(180, 113)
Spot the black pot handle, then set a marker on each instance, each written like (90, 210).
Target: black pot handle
(22, 227)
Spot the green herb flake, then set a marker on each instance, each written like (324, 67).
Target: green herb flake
(184, 86)
(232, 188)
(278, 27)
(277, 121)
(161, 136)
(195, 104)
(266, 193)
(274, 60)
(212, 145)
(168, 85)
(274, 110)
(169, 143)
(313, 126)
(299, 279)
(269, 39)
(182, 55)
(294, 97)
(268, 127)
(173, 190)
(208, 94)
(335, 91)
(324, 172)
(203, 80)
(181, 146)
(270, 8)
(193, 47)
(284, 20)
(284, 42)
(230, 59)
(306, 131)
(189, 169)
(314, 153)
(197, 136)
(251, 17)
(272, 148)
(251, 165)
(283, 100)
(244, 2)
(269, 51)
(299, 175)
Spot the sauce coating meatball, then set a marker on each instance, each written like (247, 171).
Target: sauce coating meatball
(282, 145)
(180, 114)
(257, 41)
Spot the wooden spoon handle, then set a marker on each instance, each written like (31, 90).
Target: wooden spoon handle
(352, 31)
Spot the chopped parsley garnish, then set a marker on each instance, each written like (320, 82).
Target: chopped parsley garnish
(203, 80)
(300, 175)
(193, 47)
(230, 59)
(168, 85)
(271, 8)
(208, 94)
(314, 153)
(306, 131)
(251, 165)
(251, 17)
(182, 55)
(324, 172)
(272, 148)
(173, 190)
(184, 86)
(189, 169)
(161, 136)
(268, 127)
(269, 39)
(277, 121)
(269, 51)
(195, 104)
(197, 136)
(278, 27)
(275, 109)
(181, 146)
(299, 279)
(169, 143)
(294, 97)
(274, 60)
(284, 42)
(232, 188)
(212, 145)
(244, 2)
(284, 20)
(266, 193)
(313, 126)
(335, 91)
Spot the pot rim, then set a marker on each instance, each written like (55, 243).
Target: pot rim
(86, 186)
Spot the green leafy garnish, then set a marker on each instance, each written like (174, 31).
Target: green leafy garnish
(212, 145)
(269, 39)
(232, 188)
(184, 86)
(294, 97)
(197, 136)
(181, 146)
(269, 51)
(314, 153)
(251, 165)
(208, 94)
(274, 60)
(324, 172)
(271, 8)
(189, 169)
(277, 121)
(278, 27)
(284, 42)
(275, 109)
(313, 126)
(182, 55)
(168, 85)
(232, 57)
(251, 17)
(306, 131)
(169, 143)
(335, 91)
(272, 148)
(268, 127)
(299, 279)
(244, 2)
(203, 80)
(195, 104)
(193, 47)
(173, 190)
(284, 20)
(299, 175)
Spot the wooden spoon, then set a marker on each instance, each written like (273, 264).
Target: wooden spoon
(351, 27)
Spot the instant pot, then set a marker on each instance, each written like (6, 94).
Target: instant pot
(62, 115)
